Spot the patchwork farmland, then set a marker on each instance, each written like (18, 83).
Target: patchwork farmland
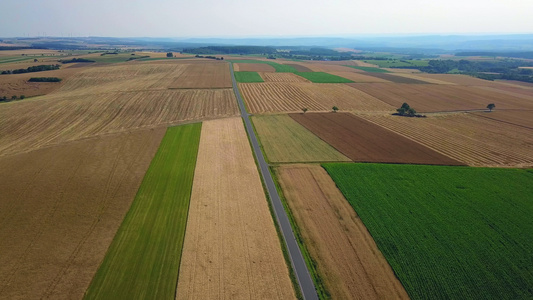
(363, 141)
(270, 97)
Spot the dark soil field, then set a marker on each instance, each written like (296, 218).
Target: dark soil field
(363, 141)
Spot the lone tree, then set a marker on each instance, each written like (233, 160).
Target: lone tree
(335, 108)
(304, 109)
(491, 106)
(169, 54)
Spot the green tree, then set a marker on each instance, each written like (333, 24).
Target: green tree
(169, 54)
(304, 109)
(335, 108)
(22, 97)
(13, 97)
(491, 106)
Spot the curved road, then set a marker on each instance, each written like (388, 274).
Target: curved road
(298, 263)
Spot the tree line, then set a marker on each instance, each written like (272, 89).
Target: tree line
(32, 69)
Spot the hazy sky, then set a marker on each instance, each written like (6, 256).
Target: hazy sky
(211, 18)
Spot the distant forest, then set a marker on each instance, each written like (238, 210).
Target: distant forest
(527, 55)
(508, 69)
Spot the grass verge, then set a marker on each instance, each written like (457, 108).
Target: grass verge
(144, 258)
(447, 232)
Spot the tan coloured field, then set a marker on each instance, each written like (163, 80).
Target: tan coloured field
(281, 77)
(467, 138)
(514, 91)
(17, 84)
(458, 79)
(521, 118)
(231, 248)
(56, 118)
(245, 67)
(358, 77)
(206, 75)
(292, 97)
(60, 208)
(426, 79)
(433, 97)
(348, 260)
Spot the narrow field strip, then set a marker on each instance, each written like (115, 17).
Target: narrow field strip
(231, 248)
(322, 77)
(143, 260)
(346, 258)
(447, 232)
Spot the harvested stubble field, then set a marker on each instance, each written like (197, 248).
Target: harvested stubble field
(292, 97)
(144, 259)
(521, 118)
(434, 98)
(396, 79)
(231, 248)
(281, 77)
(53, 119)
(363, 141)
(447, 232)
(60, 208)
(206, 75)
(467, 138)
(515, 91)
(348, 261)
(359, 77)
(424, 79)
(458, 79)
(284, 140)
(250, 67)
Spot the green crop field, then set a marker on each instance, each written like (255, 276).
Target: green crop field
(284, 140)
(447, 232)
(248, 77)
(396, 63)
(144, 258)
(370, 69)
(279, 67)
(321, 77)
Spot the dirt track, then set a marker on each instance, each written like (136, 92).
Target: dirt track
(363, 141)
(60, 208)
(231, 249)
(348, 259)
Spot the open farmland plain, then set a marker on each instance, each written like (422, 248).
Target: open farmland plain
(434, 97)
(521, 118)
(231, 248)
(348, 261)
(272, 97)
(363, 141)
(204, 76)
(284, 140)
(470, 139)
(60, 208)
(252, 67)
(447, 232)
(143, 260)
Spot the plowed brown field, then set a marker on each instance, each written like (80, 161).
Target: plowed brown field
(458, 79)
(231, 249)
(60, 208)
(426, 79)
(396, 79)
(244, 67)
(60, 117)
(363, 141)
(432, 98)
(348, 260)
(292, 97)
(514, 91)
(281, 77)
(467, 138)
(322, 67)
(207, 75)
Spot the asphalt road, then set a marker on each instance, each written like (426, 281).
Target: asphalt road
(298, 263)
